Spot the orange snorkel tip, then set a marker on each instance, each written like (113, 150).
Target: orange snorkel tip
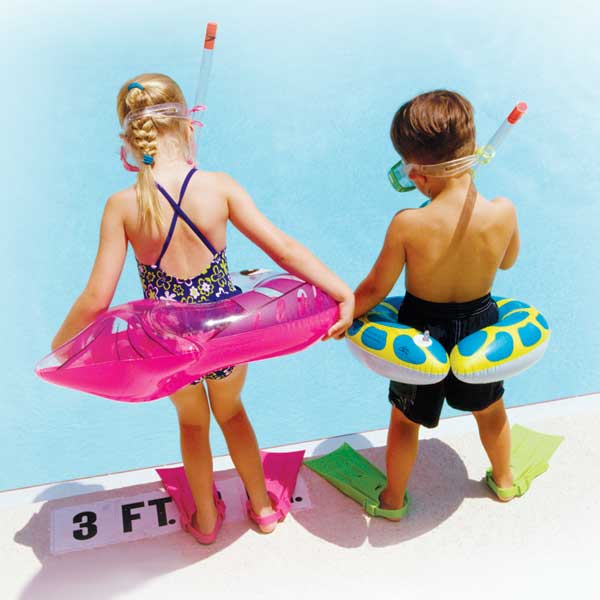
(211, 36)
(517, 112)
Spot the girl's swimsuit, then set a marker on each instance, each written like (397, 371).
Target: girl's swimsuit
(210, 285)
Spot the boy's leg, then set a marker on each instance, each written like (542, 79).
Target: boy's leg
(226, 404)
(194, 421)
(402, 447)
(494, 432)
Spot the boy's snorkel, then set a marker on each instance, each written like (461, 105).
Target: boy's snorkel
(174, 110)
(399, 174)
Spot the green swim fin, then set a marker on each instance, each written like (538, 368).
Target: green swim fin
(529, 456)
(356, 477)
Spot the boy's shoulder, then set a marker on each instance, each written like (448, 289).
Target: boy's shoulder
(409, 220)
(405, 218)
(503, 203)
(504, 208)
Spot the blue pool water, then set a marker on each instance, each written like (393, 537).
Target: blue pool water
(301, 99)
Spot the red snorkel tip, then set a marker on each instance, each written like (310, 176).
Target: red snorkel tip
(211, 35)
(517, 112)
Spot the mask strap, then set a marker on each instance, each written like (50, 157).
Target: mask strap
(134, 169)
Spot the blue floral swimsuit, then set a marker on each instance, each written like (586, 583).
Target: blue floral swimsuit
(211, 285)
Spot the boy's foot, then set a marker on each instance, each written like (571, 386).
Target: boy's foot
(387, 502)
(503, 487)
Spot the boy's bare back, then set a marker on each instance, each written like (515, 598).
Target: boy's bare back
(455, 245)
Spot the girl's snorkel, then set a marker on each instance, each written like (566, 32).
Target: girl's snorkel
(204, 78)
(178, 111)
(399, 174)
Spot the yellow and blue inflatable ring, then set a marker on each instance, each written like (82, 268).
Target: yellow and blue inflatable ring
(515, 343)
(401, 353)
(396, 351)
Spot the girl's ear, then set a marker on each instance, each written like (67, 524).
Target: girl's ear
(190, 132)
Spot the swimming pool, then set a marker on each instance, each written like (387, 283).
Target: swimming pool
(300, 105)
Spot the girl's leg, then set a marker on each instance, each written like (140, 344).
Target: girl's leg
(494, 432)
(402, 447)
(194, 421)
(226, 404)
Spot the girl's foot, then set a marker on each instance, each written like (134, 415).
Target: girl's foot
(206, 524)
(193, 527)
(265, 517)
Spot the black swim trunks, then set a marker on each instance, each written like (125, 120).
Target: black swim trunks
(448, 323)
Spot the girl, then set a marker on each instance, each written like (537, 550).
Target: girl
(180, 250)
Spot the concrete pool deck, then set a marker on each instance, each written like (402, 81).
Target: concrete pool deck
(457, 541)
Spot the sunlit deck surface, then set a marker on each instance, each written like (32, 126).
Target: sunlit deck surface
(457, 541)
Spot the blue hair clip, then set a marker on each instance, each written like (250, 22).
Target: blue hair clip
(135, 84)
(148, 160)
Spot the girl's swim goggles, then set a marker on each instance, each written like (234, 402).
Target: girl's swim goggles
(399, 174)
(174, 110)
(168, 110)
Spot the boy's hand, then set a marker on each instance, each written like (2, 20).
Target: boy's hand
(338, 329)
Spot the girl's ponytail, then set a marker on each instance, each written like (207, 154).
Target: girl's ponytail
(141, 135)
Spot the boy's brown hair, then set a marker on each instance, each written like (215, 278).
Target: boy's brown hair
(434, 127)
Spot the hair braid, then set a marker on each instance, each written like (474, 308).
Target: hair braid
(142, 135)
(143, 141)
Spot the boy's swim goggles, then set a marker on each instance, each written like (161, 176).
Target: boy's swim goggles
(168, 110)
(399, 174)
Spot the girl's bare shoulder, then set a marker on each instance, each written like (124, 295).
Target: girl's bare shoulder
(213, 182)
(122, 202)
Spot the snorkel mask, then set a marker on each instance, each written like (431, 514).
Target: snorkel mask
(399, 174)
(169, 110)
(174, 110)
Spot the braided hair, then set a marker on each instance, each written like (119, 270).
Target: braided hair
(142, 135)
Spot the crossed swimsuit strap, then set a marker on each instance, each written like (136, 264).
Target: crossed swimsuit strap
(179, 212)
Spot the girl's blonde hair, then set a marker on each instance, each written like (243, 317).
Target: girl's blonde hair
(142, 135)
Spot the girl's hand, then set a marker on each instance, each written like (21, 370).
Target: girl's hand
(338, 329)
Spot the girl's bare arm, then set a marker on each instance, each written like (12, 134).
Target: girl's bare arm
(287, 252)
(100, 288)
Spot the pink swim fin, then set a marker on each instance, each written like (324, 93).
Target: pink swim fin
(281, 473)
(177, 486)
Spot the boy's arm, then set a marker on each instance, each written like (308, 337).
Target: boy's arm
(386, 270)
(100, 288)
(512, 250)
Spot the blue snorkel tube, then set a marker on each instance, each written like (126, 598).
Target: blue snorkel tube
(204, 78)
(174, 110)
(489, 150)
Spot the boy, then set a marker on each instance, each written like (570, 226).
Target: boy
(452, 249)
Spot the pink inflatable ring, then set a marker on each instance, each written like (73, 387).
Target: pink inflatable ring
(148, 349)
